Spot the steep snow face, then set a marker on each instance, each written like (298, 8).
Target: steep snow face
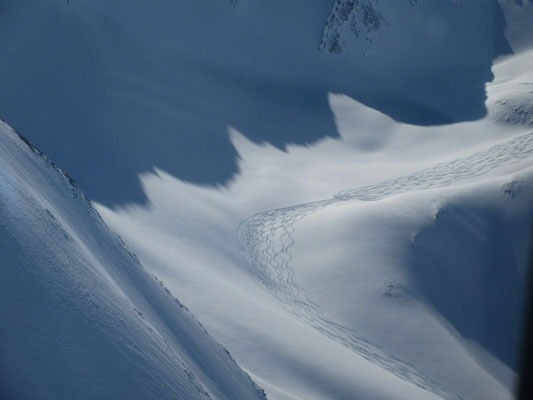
(81, 318)
(387, 264)
(112, 90)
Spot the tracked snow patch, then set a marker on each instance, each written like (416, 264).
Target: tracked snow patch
(329, 268)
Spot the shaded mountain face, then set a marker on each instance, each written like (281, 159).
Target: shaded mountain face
(362, 18)
(81, 318)
(116, 89)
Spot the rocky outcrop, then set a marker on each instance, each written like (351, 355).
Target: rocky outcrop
(360, 18)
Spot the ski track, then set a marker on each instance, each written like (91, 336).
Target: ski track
(267, 237)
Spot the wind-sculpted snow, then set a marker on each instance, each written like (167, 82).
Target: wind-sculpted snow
(268, 238)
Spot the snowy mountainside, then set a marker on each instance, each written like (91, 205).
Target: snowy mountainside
(81, 317)
(147, 85)
(382, 256)
(339, 190)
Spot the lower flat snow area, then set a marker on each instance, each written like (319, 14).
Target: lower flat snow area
(81, 318)
(387, 264)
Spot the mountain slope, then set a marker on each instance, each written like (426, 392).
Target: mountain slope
(385, 259)
(387, 264)
(80, 316)
(145, 85)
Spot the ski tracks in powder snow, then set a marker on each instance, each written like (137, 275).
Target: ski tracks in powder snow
(267, 238)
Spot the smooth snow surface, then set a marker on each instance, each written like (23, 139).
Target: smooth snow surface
(81, 318)
(387, 264)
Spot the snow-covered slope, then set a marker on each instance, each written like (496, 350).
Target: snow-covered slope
(110, 90)
(81, 318)
(387, 264)
(511, 95)
(385, 259)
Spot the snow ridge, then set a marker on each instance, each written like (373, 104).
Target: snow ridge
(88, 304)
